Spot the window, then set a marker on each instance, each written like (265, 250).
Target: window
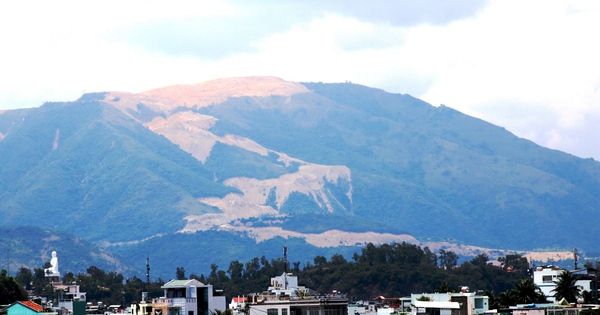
(272, 311)
(313, 311)
(332, 311)
(547, 279)
(284, 311)
(479, 303)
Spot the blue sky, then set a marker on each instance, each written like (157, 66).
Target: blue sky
(529, 66)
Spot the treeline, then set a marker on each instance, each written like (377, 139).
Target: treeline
(392, 270)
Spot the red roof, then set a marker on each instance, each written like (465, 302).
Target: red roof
(32, 305)
(240, 299)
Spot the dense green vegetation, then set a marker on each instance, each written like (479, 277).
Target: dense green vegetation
(10, 290)
(229, 161)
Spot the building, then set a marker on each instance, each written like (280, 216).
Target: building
(188, 297)
(436, 308)
(144, 307)
(470, 303)
(285, 297)
(546, 276)
(25, 308)
(70, 298)
(237, 304)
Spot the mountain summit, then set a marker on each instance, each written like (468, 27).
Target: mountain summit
(260, 158)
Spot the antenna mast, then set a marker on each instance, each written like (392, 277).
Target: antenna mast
(575, 257)
(285, 259)
(147, 273)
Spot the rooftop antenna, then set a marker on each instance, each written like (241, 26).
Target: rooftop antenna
(575, 257)
(285, 259)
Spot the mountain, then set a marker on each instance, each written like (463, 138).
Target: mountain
(260, 160)
(31, 247)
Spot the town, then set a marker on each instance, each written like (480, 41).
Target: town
(284, 295)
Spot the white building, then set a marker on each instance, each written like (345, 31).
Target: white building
(285, 297)
(435, 308)
(546, 276)
(70, 298)
(470, 303)
(187, 297)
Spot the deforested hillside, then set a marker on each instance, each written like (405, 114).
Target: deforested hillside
(261, 159)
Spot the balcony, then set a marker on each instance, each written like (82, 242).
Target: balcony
(173, 302)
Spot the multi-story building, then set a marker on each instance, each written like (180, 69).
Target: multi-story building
(188, 297)
(70, 298)
(545, 277)
(285, 297)
(469, 303)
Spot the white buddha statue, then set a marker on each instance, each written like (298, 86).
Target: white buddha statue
(53, 270)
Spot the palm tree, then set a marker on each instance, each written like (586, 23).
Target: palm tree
(527, 292)
(566, 287)
(506, 299)
(220, 312)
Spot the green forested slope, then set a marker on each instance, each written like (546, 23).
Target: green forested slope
(105, 177)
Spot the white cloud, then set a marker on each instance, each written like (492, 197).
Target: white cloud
(531, 67)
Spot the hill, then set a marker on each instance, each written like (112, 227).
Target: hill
(31, 247)
(260, 160)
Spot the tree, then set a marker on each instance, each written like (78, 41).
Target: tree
(587, 296)
(320, 261)
(338, 260)
(448, 259)
(24, 278)
(443, 288)
(480, 260)
(296, 266)
(180, 273)
(236, 270)
(515, 261)
(506, 299)
(10, 290)
(566, 287)
(527, 292)
(220, 312)
(430, 257)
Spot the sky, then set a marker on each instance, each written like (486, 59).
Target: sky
(532, 67)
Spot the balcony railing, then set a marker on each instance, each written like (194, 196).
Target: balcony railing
(172, 302)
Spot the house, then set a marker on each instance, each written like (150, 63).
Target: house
(471, 303)
(237, 304)
(188, 297)
(71, 298)
(286, 297)
(436, 308)
(25, 308)
(144, 307)
(546, 276)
